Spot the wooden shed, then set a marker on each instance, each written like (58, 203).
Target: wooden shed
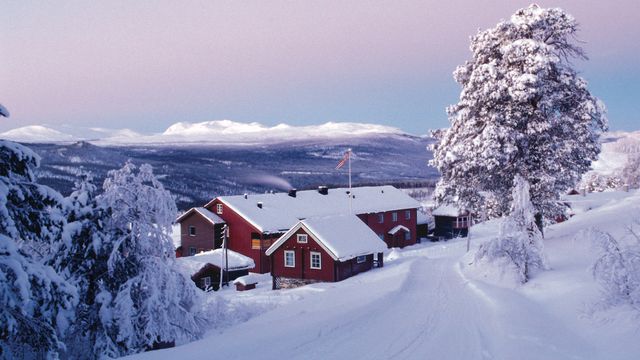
(451, 222)
(205, 268)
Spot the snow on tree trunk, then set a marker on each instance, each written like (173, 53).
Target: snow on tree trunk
(518, 250)
(523, 110)
(144, 300)
(35, 302)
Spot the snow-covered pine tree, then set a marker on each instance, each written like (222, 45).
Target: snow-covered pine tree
(518, 248)
(35, 301)
(523, 110)
(145, 300)
(81, 258)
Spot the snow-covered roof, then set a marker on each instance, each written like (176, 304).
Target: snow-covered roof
(280, 211)
(248, 279)
(211, 217)
(398, 228)
(193, 264)
(448, 210)
(343, 237)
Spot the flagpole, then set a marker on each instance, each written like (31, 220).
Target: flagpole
(350, 193)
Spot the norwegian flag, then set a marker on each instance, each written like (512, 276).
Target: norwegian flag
(344, 160)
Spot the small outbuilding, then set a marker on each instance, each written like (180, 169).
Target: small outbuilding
(451, 222)
(324, 249)
(205, 268)
(246, 282)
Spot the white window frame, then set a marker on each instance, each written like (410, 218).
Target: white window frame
(361, 259)
(380, 218)
(394, 216)
(219, 209)
(407, 214)
(192, 233)
(319, 255)
(206, 281)
(293, 258)
(302, 238)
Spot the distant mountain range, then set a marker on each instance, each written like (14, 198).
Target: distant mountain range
(198, 161)
(208, 132)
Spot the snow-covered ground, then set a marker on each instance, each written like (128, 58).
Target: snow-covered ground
(427, 302)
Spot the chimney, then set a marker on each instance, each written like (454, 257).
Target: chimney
(323, 190)
(260, 204)
(292, 192)
(246, 195)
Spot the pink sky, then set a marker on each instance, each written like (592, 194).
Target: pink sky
(147, 64)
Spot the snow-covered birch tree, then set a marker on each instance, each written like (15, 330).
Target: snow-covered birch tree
(518, 249)
(144, 300)
(35, 302)
(523, 110)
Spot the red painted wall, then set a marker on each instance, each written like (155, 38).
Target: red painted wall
(204, 238)
(302, 269)
(383, 228)
(351, 267)
(240, 237)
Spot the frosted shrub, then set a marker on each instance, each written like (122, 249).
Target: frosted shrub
(631, 171)
(617, 269)
(518, 249)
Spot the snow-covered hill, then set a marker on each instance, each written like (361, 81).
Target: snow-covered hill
(616, 146)
(36, 134)
(427, 303)
(208, 132)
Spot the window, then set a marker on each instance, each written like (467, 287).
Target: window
(289, 258)
(407, 235)
(192, 231)
(361, 259)
(381, 236)
(255, 241)
(462, 222)
(192, 250)
(394, 216)
(205, 282)
(316, 262)
(407, 214)
(302, 238)
(219, 209)
(380, 218)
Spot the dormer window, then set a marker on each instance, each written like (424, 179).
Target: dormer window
(302, 238)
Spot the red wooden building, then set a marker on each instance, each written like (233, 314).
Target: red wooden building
(324, 249)
(257, 221)
(200, 230)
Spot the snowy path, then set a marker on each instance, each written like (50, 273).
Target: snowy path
(418, 306)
